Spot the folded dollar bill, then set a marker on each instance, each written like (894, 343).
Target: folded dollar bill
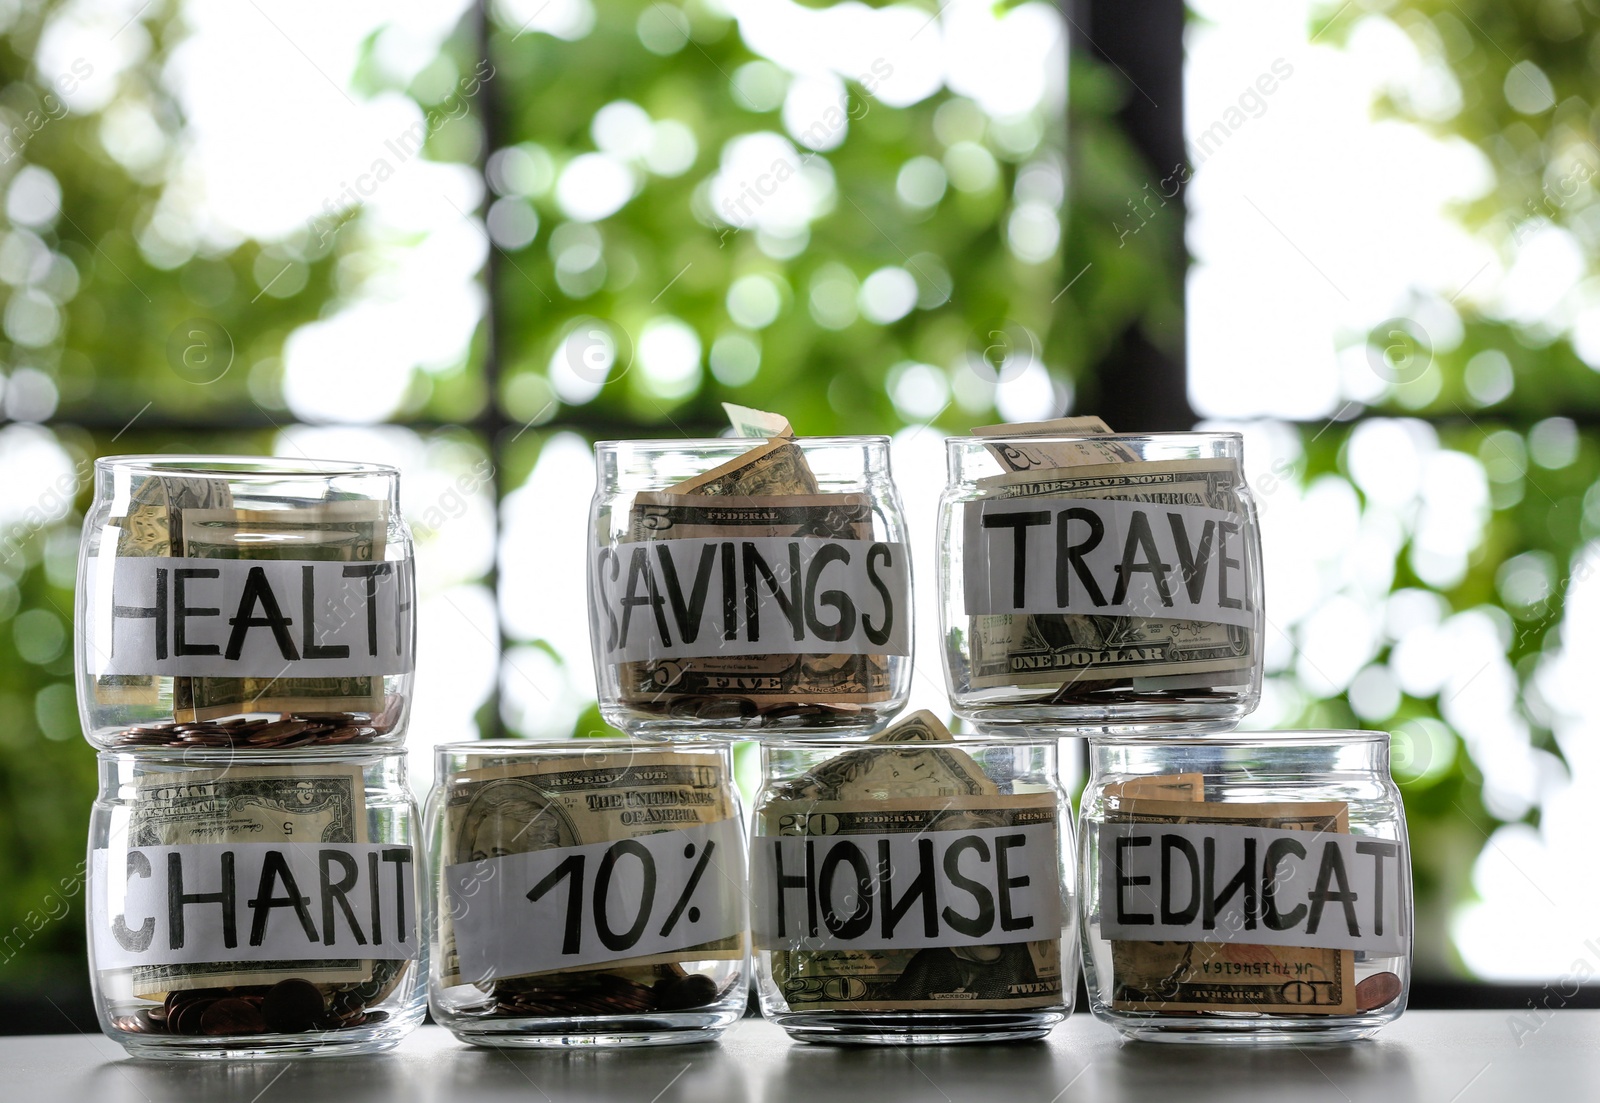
(767, 492)
(913, 783)
(1083, 657)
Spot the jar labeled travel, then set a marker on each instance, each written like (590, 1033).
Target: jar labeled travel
(1246, 887)
(1098, 580)
(750, 586)
(589, 892)
(255, 907)
(252, 604)
(913, 889)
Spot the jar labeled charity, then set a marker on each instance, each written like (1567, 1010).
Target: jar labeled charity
(255, 906)
(587, 893)
(244, 603)
(749, 586)
(913, 889)
(1100, 581)
(1246, 887)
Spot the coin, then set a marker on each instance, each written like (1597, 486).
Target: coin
(231, 1016)
(682, 993)
(291, 1006)
(1378, 990)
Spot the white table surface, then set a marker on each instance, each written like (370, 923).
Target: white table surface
(1443, 1056)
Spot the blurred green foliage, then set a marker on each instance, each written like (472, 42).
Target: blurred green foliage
(108, 289)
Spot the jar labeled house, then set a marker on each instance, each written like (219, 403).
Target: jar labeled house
(244, 604)
(255, 907)
(749, 586)
(1245, 887)
(913, 889)
(588, 892)
(1100, 581)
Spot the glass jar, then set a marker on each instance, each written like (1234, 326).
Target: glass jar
(915, 893)
(257, 905)
(587, 892)
(749, 586)
(252, 604)
(1249, 887)
(1100, 582)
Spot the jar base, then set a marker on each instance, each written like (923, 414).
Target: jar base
(593, 1032)
(257, 1047)
(915, 1028)
(1246, 1031)
(650, 726)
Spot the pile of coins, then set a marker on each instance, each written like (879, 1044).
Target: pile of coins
(705, 707)
(307, 729)
(288, 1007)
(602, 993)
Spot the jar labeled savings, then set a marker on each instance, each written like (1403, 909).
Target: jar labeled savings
(1100, 582)
(749, 586)
(913, 890)
(589, 893)
(244, 604)
(255, 907)
(1246, 887)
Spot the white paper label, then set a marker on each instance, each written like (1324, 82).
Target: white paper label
(247, 617)
(1108, 558)
(980, 887)
(607, 901)
(1197, 882)
(226, 902)
(771, 595)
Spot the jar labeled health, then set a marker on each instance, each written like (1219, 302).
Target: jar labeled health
(913, 891)
(1100, 582)
(258, 906)
(588, 893)
(749, 586)
(1245, 887)
(251, 604)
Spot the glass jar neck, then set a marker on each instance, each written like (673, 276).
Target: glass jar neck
(1266, 754)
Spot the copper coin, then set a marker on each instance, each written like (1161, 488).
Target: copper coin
(1377, 991)
(186, 1019)
(682, 993)
(291, 1006)
(231, 1016)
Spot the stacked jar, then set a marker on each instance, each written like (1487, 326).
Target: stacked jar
(759, 588)
(1109, 586)
(748, 587)
(245, 645)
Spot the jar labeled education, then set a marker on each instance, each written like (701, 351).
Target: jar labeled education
(1246, 887)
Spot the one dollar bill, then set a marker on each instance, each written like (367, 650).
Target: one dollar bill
(1075, 654)
(313, 803)
(348, 531)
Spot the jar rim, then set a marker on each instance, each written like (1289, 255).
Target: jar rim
(228, 466)
(1051, 438)
(608, 742)
(1265, 737)
(662, 444)
(200, 758)
(863, 741)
